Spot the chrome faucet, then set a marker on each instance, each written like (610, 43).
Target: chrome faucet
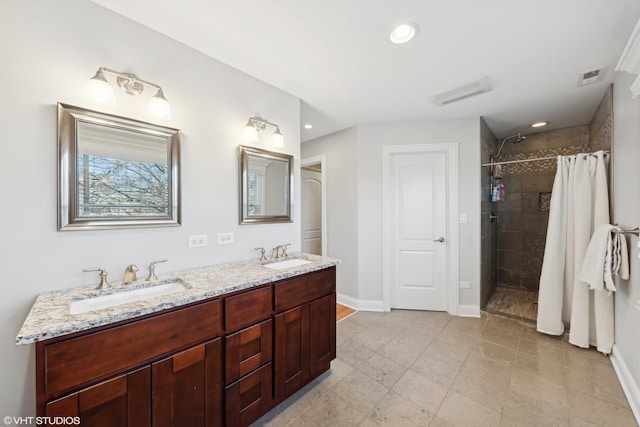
(130, 274)
(152, 270)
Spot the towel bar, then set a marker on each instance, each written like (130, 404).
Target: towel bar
(635, 231)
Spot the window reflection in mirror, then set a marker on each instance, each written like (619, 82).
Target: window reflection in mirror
(265, 182)
(121, 172)
(115, 172)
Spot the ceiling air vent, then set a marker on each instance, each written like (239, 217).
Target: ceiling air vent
(591, 77)
(461, 92)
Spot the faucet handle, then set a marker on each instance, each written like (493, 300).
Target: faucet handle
(284, 249)
(152, 270)
(262, 255)
(103, 276)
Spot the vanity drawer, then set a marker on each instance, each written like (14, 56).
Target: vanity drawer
(302, 289)
(96, 355)
(247, 308)
(248, 349)
(250, 397)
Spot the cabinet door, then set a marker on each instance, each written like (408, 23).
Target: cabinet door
(291, 351)
(322, 333)
(187, 387)
(122, 401)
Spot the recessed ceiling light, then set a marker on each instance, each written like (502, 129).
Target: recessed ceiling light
(539, 124)
(308, 126)
(403, 32)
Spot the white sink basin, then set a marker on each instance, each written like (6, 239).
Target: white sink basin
(154, 289)
(281, 265)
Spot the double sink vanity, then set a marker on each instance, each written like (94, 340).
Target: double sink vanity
(219, 345)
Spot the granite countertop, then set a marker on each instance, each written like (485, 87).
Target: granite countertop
(50, 315)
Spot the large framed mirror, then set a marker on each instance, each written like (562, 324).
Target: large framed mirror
(265, 186)
(115, 172)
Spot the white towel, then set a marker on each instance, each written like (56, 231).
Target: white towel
(606, 256)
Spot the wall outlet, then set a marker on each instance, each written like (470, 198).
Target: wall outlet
(225, 238)
(465, 285)
(197, 241)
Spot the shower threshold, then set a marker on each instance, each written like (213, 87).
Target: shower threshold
(519, 304)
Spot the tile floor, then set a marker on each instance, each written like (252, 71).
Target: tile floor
(411, 368)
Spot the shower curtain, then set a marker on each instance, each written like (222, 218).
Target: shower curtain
(579, 202)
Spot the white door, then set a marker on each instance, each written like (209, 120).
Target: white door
(311, 211)
(418, 209)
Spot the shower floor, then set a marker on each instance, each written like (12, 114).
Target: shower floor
(515, 303)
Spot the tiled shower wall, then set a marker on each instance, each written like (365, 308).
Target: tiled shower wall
(489, 256)
(524, 212)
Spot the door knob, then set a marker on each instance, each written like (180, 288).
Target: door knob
(441, 240)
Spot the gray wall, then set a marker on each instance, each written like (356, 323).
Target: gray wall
(626, 212)
(49, 51)
(341, 169)
(354, 190)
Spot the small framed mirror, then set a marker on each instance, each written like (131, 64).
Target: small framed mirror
(115, 172)
(265, 186)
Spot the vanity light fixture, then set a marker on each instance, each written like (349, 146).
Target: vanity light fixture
(403, 33)
(258, 124)
(539, 124)
(98, 89)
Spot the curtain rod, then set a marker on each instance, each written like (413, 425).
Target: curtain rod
(533, 160)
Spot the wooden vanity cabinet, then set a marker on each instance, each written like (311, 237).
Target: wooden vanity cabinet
(305, 330)
(163, 370)
(222, 361)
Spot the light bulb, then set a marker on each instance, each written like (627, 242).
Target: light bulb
(276, 139)
(158, 106)
(250, 132)
(99, 90)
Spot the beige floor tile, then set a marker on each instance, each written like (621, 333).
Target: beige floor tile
(360, 390)
(400, 352)
(525, 410)
(483, 369)
(589, 409)
(491, 394)
(420, 390)
(388, 327)
(384, 370)
(332, 410)
(420, 337)
(605, 389)
(365, 318)
(504, 355)
(536, 386)
(354, 352)
(439, 422)
(348, 327)
(395, 410)
(461, 411)
(371, 338)
(544, 366)
(445, 350)
(497, 335)
(436, 369)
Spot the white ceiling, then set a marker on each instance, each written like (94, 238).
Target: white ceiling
(336, 57)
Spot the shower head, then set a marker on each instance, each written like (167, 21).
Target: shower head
(514, 139)
(517, 138)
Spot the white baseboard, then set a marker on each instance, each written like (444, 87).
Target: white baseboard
(358, 304)
(468, 310)
(626, 380)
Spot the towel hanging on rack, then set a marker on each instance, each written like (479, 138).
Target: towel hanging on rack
(606, 256)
